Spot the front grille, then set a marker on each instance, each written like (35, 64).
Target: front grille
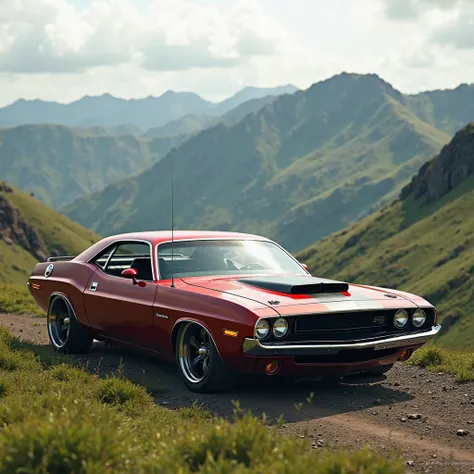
(343, 321)
(352, 326)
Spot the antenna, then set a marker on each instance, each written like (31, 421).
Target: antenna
(172, 222)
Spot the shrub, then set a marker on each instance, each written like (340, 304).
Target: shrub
(66, 441)
(248, 446)
(464, 375)
(122, 393)
(67, 373)
(431, 356)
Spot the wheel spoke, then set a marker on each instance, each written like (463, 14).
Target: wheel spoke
(194, 342)
(197, 360)
(205, 365)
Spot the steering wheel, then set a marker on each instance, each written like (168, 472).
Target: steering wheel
(254, 266)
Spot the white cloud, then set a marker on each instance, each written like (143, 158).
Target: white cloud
(133, 48)
(458, 32)
(413, 9)
(51, 36)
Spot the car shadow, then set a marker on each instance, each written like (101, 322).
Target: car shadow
(293, 399)
(280, 399)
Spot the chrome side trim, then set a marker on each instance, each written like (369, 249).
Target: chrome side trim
(253, 346)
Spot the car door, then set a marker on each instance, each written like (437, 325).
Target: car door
(117, 307)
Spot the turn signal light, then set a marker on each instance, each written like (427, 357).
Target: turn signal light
(231, 333)
(405, 355)
(272, 367)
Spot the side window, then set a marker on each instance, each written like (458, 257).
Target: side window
(103, 258)
(131, 255)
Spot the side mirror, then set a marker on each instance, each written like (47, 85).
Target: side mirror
(304, 266)
(132, 273)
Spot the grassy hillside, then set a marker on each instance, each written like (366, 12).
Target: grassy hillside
(59, 164)
(30, 231)
(421, 243)
(286, 171)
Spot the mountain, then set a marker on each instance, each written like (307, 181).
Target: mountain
(192, 124)
(298, 169)
(448, 110)
(111, 112)
(30, 231)
(189, 124)
(252, 93)
(422, 243)
(59, 164)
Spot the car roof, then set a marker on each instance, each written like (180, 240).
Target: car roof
(157, 237)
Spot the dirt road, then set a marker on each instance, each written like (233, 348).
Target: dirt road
(357, 411)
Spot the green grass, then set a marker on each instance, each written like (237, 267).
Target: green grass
(438, 359)
(17, 299)
(56, 417)
(50, 233)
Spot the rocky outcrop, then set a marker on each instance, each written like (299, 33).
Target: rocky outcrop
(14, 230)
(441, 175)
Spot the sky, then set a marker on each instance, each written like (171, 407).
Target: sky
(62, 50)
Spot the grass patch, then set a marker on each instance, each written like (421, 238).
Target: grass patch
(57, 417)
(17, 299)
(438, 359)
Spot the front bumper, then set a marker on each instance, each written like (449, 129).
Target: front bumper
(254, 347)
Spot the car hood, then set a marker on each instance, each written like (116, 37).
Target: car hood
(294, 294)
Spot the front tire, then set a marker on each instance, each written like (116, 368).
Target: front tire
(65, 332)
(199, 363)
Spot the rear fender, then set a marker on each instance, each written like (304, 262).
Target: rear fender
(66, 278)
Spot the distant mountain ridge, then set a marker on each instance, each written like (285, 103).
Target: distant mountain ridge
(60, 164)
(110, 112)
(192, 124)
(422, 243)
(298, 169)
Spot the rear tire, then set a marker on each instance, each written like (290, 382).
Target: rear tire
(199, 363)
(65, 333)
(380, 370)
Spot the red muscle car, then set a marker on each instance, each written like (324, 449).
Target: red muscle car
(220, 303)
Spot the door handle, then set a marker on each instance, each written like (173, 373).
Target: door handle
(94, 286)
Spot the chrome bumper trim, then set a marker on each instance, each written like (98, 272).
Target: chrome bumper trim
(253, 346)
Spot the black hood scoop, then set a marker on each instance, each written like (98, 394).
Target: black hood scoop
(297, 285)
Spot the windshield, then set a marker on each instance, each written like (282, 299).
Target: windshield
(225, 257)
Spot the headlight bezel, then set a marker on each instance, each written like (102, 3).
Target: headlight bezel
(262, 321)
(419, 310)
(287, 328)
(407, 319)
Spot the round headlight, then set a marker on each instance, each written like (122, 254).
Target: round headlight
(262, 328)
(400, 319)
(280, 327)
(419, 318)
